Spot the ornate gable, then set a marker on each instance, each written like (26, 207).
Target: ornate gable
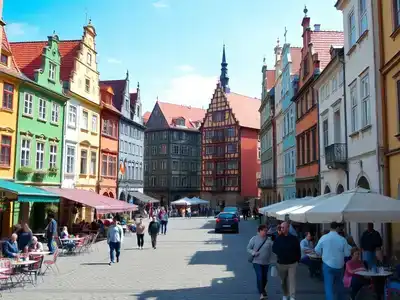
(49, 73)
(85, 77)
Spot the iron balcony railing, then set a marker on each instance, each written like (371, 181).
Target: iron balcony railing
(335, 154)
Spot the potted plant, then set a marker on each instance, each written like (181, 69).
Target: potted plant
(39, 174)
(25, 170)
(53, 171)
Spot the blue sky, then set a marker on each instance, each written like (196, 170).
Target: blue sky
(173, 47)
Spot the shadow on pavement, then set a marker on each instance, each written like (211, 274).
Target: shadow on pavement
(95, 264)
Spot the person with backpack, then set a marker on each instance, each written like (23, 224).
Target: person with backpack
(115, 237)
(260, 250)
(154, 229)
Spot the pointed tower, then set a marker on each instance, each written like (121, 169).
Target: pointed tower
(264, 80)
(224, 79)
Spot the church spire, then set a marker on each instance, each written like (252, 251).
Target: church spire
(224, 79)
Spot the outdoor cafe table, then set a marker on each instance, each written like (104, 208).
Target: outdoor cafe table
(73, 239)
(39, 253)
(378, 278)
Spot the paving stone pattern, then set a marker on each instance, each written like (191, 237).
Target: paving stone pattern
(191, 262)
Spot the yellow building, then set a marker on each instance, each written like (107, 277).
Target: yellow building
(389, 41)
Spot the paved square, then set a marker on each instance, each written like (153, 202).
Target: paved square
(190, 262)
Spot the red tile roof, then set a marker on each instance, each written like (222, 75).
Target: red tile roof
(295, 53)
(146, 117)
(322, 42)
(28, 56)
(246, 109)
(270, 79)
(119, 89)
(5, 45)
(175, 111)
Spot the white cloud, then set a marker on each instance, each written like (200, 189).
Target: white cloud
(160, 4)
(114, 61)
(20, 29)
(185, 68)
(192, 89)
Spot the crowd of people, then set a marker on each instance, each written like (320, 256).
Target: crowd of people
(338, 259)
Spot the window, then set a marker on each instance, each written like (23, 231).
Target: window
(89, 59)
(93, 162)
(28, 102)
(112, 166)
(72, 116)
(334, 84)
(8, 95)
(232, 148)
(365, 103)
(4, 59)
(353, 99)
(352, 29)
(70, 167)
(85, 120)
(94, 123)
(363, 16)
(39, 155)
(325, 133)
(52, 71)
(175, 149)
(163, 149)
(84, 162)
(55, 113)
(25, 152)
(396, 10)
(341, 75)
(175, 165)
(314, 144)
(42, 109)
(87, 85)
(5, 151)
(231, 132)
(53, 156)
(104, 163)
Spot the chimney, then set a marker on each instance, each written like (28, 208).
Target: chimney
(317, 27)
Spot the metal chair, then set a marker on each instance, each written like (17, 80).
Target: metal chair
(50, 264)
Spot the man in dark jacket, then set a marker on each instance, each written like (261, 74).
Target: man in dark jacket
(10, 247)
(51, 232)
(287, 249)
(154, 229)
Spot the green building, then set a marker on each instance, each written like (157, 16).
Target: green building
(40, 129)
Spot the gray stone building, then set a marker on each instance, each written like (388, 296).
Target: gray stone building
(172, 152)
(131, 139)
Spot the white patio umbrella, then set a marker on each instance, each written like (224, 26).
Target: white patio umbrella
(298, 215)
(183, 201)
(270, 210)
(358, 205)
(195, 201)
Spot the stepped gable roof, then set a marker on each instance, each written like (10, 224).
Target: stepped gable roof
(245, 109)
(28, 56)
(174, 111)
(322, 42)
(295, 53)
(118, 87)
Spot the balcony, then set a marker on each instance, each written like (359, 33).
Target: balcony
(266, 183)
(336, 156)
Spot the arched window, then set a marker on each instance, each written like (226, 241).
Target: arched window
(363, 183)
(327, 190)
(309, 192)
(304, 193)
(340, 189)
(111, 195)
(315, 192)
(105, 194)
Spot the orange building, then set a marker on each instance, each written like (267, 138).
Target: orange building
(315, 56)
(108, 144)
(230, 146)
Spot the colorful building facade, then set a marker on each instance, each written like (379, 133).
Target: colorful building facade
(290, 68)
(108, 162)
(389, 65)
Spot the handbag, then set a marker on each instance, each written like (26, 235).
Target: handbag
(251, 257)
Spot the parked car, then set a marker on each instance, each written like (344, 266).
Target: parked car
(233, 210)
(226, 221)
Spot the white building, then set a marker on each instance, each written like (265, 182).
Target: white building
(332, 129)
(364, 169)
(279, 123)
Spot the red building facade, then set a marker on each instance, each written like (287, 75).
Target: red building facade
(315, 55)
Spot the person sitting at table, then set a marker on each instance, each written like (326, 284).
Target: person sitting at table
(64, 239)
(351, 279)
(10, 247)
(35, 245)
(307, 247)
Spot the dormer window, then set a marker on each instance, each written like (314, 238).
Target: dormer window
(180, 122)
(4, 59)
(89, 59)
(52, 71)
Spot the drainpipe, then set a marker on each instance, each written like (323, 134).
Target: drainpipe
(342, 61)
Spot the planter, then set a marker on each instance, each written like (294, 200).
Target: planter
(38, 175)
(52, 171)
(25, 170)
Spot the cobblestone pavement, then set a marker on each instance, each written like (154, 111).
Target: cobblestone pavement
(190, 263)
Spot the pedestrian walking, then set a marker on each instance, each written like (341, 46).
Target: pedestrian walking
(154, 228)
(51, 232)
(140, 228)
(260, 249)
(115, 237)
(333, 248)
(164, 221)
(287, 249)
